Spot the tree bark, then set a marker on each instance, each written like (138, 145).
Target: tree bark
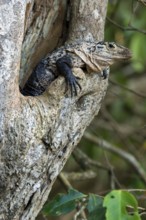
(38, 134)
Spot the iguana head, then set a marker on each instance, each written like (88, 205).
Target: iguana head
(98, 56)
(105, 54)
(111, 51)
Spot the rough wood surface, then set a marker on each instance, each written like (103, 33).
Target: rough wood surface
(37, 135)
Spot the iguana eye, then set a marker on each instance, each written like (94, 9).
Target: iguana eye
(111, 45)
(100, 45)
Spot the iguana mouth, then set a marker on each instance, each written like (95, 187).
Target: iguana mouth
(126, 55)
(117, 57)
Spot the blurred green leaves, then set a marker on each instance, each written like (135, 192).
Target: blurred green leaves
(137, 46)
(117, 203)
(62, 204)
(95, 208)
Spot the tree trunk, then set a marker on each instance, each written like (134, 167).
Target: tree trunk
(38, 134)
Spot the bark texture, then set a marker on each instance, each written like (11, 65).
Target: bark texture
(37, 135)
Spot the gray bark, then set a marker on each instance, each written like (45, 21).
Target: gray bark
(37, 135)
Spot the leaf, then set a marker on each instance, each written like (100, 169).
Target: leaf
(117, 202)
(62, 203)
(95, 208)
(139, 52)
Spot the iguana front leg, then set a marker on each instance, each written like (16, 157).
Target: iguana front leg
(42, 76)
(64, 66)
(38, 81)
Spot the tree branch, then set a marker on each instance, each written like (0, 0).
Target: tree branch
(125, 155)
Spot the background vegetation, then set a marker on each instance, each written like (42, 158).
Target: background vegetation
(115, 142)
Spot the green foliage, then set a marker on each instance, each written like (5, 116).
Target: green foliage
(62, 204)
(95, 208)
(117, 203)
(114, 206)
(139, 52)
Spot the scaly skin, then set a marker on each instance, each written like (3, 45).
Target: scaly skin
(94, 56)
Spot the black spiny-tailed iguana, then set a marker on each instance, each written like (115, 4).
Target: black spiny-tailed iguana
(95, 56)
